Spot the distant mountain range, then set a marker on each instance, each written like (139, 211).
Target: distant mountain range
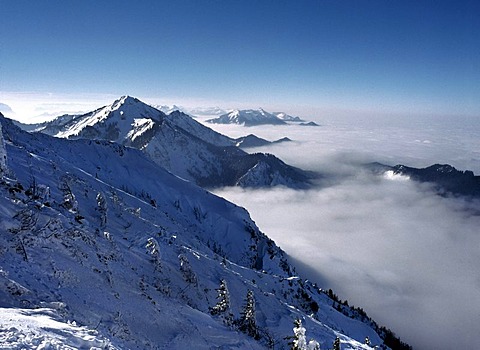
(179, 143)
(253, 117)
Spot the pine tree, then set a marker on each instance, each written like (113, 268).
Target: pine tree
(336, 344)
(367, 341)
(102, 209)
(69, 200)
(222, 308)
(153, 249)
(186, 269)
(299, 341)
(248, 323)
(313, 345)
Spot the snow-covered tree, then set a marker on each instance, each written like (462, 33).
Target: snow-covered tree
(102, 208)
(247, 322)
(69, 200)
(222, 308)
(153, 249)
(186, 269)
(367, 341)
(299, 339)
(313, 345)
(336, 344)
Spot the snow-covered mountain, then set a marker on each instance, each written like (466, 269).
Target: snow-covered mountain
(103, 248)
(179, 143)
(196, 111)
(253, 117)
(288, 118)
(167, 109)
(255, 141)
(248, 117)
(445, 179)
(51, 127)
(206, 111)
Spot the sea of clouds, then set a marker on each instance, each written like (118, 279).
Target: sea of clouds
(407, 256)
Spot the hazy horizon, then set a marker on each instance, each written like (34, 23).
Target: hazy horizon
(306, 57)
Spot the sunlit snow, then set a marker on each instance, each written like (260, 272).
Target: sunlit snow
(391, 175)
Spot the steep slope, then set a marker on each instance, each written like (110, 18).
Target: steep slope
(96, 233)
(51, 127)
(178, 143)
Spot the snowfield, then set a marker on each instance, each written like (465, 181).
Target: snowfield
(42, 328)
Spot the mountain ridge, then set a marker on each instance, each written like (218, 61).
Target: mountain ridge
(179, 143)
(445, 179)
(96, 232)
(248, 117)
(256, 117)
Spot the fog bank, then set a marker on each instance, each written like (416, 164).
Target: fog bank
(389, 245)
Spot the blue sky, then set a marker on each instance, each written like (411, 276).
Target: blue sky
(384, 56)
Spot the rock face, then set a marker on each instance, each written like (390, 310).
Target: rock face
(177, 142)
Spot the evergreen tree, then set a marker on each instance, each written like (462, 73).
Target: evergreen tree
(367, 341)
(102, 209)
(153, 249)
(69, 200)
(222, 308)
(248, 323)
(299, 341)
(313, 345)
(186, 269)
(336, 344)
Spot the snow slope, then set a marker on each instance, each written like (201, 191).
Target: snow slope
(43, 328)
(97, 233)
(178, 143)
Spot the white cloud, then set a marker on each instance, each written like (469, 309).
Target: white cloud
(406, 255)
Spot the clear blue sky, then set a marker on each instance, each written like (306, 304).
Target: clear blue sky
(385, 55)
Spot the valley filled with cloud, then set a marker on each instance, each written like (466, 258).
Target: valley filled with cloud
(405, 254)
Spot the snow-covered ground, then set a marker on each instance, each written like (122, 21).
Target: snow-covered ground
(42, 328)
(96, 233)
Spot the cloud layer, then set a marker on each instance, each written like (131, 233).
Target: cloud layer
(391, 246)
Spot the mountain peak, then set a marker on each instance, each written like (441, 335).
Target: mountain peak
(112, 122)
(125, 100)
